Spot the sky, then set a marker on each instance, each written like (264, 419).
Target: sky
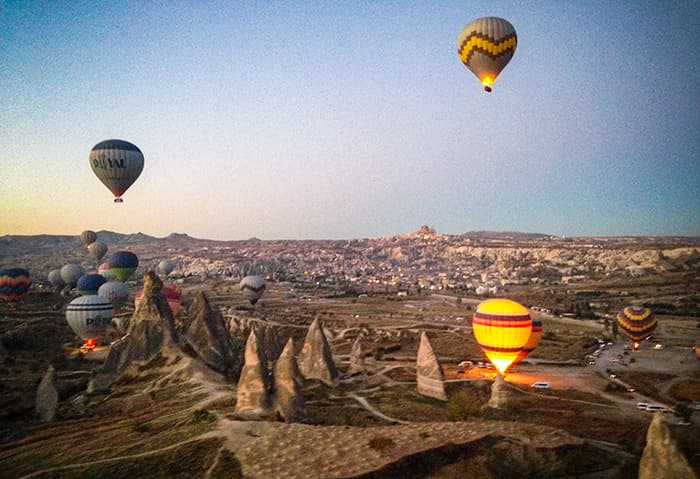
(325, 120)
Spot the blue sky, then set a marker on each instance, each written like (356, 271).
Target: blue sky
(350, 119)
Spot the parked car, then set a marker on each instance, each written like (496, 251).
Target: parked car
(540, 385)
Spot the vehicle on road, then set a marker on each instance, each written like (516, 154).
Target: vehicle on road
(540, 385)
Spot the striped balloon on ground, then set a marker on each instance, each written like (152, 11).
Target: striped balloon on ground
(637, 323)
(502, 327)
(253, 288)
(485, 46)
(90, 283)
(97, 249)
(532, 342)
(88, 317)
(88, 237)
(122, 264)
(14, 284)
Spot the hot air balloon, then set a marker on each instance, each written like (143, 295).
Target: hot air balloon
(55, 279)
(697, 349)
(88, 237)
(88, 317)
(253, 288)
(485, 46)
(115, 292)
(637, 323)
(97, 249)
(71, 273)
(172, 293)
(166, 266)
(90, 283)
(502, 327)
(122, 264)
(117, 163)
(14, 284)
(104, 270)
(532, 342)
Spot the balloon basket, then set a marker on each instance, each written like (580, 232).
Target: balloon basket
(118, 200)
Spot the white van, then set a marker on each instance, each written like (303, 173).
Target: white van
(540, 385)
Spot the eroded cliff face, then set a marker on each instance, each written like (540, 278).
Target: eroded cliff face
(661, 458)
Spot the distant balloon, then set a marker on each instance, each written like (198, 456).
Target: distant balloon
(97, 249)
(253, 288)
(122, 264)
(104, 270)
(88, 237)
(532, 342)
(90, 283)
(697, 349)
(55, 279)
(502, 327)
(88, 317)
(14, 284)
(71, 273)
(637, 323)
(172, 293)
(115, 292)
(117, 163)
(166, 267)
(485, 46)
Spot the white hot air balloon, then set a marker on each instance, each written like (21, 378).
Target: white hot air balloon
(253, 288)
(71, 273)
(115, 292)
(166, 267)
(55, 279)
(88, 317)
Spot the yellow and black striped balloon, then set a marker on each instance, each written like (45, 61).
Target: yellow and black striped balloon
(502, 327)
(485, 46)
(636, 322)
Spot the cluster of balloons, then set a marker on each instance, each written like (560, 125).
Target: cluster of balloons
(505, 331)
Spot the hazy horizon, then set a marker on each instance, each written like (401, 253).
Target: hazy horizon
(322, 120)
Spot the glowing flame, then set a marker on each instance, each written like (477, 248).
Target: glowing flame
(487, 80)
(501, 364)
(89, 343)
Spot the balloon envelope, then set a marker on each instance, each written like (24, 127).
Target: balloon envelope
(485, 46)
(97, 249)
(253, 288)
(117, 163)
(636, 322)
(104, 270)
(14, 284)
(90, 283)
(532, 342)
(71, 273)
(502, 327)
(88, 237)
(55, 278)
(166, 266)
(115, 292)
(122, 264)
(89, 316)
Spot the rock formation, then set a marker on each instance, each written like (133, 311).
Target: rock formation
(431, 381)
(357, 358)
(253, 393)
(315, 360)
(151, 328)
(661, 458)
(499, 393)
(47, 396)
(208, 336)
(271, 344)
(288, 383)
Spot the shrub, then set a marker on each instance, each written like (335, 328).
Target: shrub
(381, 443)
